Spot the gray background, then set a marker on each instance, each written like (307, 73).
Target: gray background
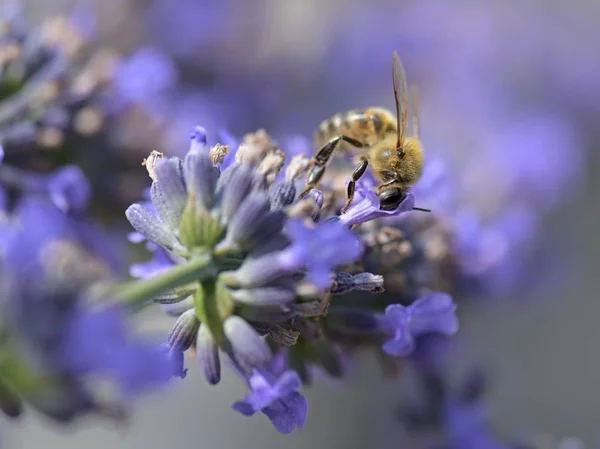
(543, 354)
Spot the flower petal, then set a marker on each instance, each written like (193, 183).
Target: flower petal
(150, 226)
(435, 312)
(261, 271)
(235, 184)
(367, 208)
(401, 345)
(289, 414)
(168, 191)
(289, 382)
(69, 189)
(248, 226)
(201, 177)
(244, 408)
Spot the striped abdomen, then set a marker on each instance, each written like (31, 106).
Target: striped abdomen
(366, 125)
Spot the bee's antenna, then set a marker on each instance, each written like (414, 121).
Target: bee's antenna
(421, 209)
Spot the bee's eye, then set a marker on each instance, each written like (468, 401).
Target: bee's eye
(390, 199)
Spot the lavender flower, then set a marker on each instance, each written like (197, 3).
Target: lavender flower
(431, 313)
(277, 398)
(56, 338)
(366, 208)
(401, 325)
(244, 277)
(98, 342)
(196, 208)
(69, 189)
(312, 249)
(144, 75)
(59, 106)
(468, 428)
(49, 90)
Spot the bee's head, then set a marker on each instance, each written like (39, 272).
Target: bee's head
(390, 198)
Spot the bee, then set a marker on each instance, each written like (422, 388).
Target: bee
(381, 137)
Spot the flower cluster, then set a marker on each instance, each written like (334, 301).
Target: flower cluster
(53, 92)
(251, 270)
(278, 285)
(55, 338)
(49, 88)
(59, 92)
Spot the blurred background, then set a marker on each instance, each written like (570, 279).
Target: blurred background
(509, 102)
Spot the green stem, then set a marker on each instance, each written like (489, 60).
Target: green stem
(196, 269)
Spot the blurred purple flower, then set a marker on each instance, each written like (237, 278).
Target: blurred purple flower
(543, 175)
(276, 397)
(432, 313)
(467, 426)
(69, 189)
(319, 250)
(99, 342)
(192, 25)
(144, 75)
(46, 273)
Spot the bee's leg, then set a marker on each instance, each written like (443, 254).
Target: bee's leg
(356, 175)
(322, 158)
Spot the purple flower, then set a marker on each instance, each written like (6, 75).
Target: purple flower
(192, 25)
(319, 250)
(276, 397)
(69, 339)
(176, 360)
(467, 426)
(98, 341)
(145, 74)
(69, 189)
(432, 313)
(367, 208)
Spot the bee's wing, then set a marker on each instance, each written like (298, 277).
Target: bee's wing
(401, 98)
(415, 109)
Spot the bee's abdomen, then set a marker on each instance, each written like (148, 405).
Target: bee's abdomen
(366, 125)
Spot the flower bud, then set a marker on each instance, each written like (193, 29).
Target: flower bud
(184, 331)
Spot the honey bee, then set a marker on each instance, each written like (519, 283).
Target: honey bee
(381, 137)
